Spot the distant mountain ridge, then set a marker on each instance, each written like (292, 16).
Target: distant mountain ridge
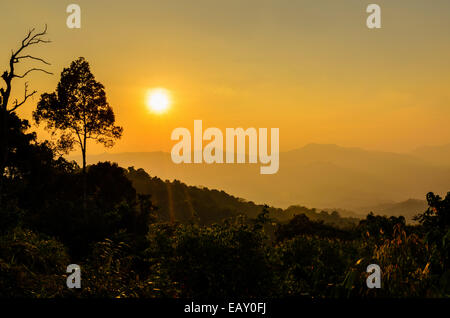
(325, 176)
(438, 155)
(409, 209)
(176, 201)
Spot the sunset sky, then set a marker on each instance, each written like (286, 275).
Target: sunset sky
(311, 68)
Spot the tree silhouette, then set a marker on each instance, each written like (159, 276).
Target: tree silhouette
(78, 111)
(8, 76)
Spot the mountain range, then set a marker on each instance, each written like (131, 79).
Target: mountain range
(327, 177)
(176, 201)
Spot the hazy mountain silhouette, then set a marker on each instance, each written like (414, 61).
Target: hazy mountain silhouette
(323, 176)
(409, 209)
(180, 202)
(438, 155)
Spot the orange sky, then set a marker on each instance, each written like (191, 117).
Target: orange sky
(310, 68)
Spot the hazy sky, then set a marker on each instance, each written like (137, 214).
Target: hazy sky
(311, 68)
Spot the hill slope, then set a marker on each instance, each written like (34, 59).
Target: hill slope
(408, 209)
(325, 176)
(438, 155)
(179, 202)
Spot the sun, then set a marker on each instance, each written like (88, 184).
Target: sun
(158, 100)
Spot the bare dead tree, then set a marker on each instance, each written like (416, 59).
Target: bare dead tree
(6, 107)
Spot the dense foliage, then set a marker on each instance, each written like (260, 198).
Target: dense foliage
(138, 236)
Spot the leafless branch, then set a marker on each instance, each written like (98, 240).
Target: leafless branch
(26, 96)
(31, 70)
(31, 57)
(28, 35)
(29, 40)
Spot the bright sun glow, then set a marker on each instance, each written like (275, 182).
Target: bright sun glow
(158, 100)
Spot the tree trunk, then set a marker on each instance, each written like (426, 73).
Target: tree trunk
(4, 128)
(83, 151)
(3, 150)
(5, 93)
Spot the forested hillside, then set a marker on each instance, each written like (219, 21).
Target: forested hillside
(316, 175)
(205, 206)
(133, 235)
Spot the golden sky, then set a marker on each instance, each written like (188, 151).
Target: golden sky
(311, 68)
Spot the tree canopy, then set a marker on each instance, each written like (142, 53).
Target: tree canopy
(78, 110)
